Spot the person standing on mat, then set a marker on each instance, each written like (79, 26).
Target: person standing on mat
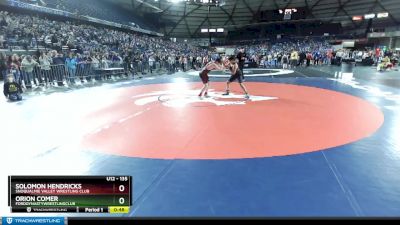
(236, 74)
(241, 57)
(215, 65)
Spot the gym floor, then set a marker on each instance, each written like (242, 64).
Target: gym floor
(307, 143)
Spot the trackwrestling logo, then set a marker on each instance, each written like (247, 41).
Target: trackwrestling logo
(182, 98)
(33, 220)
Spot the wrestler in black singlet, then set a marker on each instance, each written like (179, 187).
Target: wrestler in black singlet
(237, 76)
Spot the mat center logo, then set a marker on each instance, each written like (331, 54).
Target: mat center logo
(182, 98)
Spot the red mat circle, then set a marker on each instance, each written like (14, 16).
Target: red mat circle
(302, 119)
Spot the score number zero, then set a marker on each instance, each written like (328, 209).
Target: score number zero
(121, 188)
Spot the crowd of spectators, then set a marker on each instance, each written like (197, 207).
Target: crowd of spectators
(290, 53)
(63, 48)
(70, 44)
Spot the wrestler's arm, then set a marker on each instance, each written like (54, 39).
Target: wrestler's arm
(215, 66)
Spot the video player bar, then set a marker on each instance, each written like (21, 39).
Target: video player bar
(78, 220)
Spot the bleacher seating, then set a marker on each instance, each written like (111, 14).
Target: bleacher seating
(99, 9)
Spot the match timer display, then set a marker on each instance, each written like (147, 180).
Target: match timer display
(70, 194)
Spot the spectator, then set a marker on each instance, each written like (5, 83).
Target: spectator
(199, 61)
(308, 58)
(12, 90)
(171, 61)
(317, 57)
(3, 66)
(57, 68)
(269, 59)
(45, 69)
(27, 66)
(279, 58)
(302, 57)
(96, 62)
(293, 58)
(151, 63)
(275, 59)
(127, 64)
(182, 63)
(385, 64)
(15, 68)
(2, 41)
(71, 63)
(285, 61)
(177, 63)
